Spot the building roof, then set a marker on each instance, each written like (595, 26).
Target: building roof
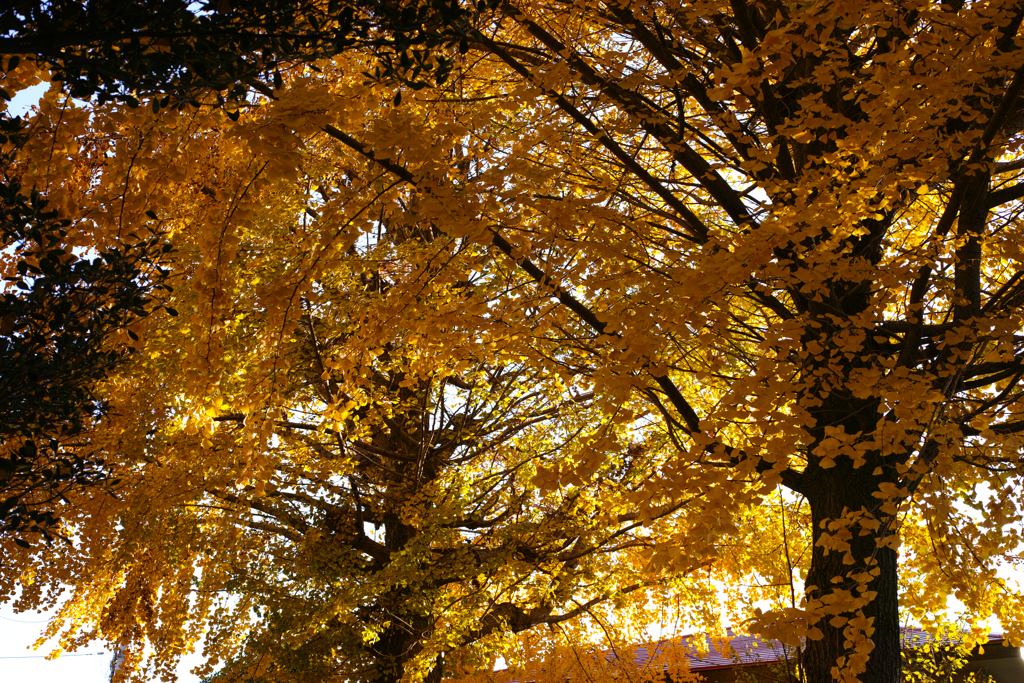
(730, 652)
(741, 650)
(744, 650)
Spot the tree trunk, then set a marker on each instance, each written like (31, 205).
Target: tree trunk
(838, 574)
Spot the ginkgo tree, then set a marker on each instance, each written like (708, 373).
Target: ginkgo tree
(380, 476)
(787, 230)
(791, 230)
(791, 227)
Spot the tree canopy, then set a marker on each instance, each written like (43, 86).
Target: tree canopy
(639, 299)
(64, 326)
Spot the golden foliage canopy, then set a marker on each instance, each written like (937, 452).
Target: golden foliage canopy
(628, 272)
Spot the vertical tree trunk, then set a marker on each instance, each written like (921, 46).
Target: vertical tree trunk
(833, 492)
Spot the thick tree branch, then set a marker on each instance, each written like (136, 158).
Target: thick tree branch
(980, 151)
(1005, 195)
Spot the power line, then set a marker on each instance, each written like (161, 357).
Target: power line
(19, 621)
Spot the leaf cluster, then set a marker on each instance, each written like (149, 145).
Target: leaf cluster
(59, 315)
(177, 52)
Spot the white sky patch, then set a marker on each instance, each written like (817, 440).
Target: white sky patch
(23, 101)
(19, 662)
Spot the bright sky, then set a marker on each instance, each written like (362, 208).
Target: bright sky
(20, 663)
(19, 631)
(24, 100)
